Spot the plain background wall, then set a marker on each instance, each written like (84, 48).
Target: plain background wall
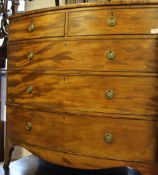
(37, 4)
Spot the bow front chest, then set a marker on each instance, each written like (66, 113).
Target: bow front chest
(83, 85)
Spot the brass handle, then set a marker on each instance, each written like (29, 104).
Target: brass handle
(108, 138)
(28, 126)
(31, 28)
(30, 56)
(110, 54)
(109, 94)
(111, 21)
(29, 90)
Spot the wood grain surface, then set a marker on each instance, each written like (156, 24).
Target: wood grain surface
(84, 162)
(132, 95)
(137, 55)
(85, 5)
(49, 25)
(86, 136)
(69, 76)
(94, 22)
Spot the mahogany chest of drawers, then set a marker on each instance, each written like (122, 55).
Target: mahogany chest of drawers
(83, 85)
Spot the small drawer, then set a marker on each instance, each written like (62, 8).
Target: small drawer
(48, 25)
(113, 21)
(98, 55)
(85, 93)
(130, 140)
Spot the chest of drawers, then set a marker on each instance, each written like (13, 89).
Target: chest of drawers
(83, 85)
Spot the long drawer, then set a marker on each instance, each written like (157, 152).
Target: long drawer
(113, 21)
(120, 139)
(94, 55)
(103, 94)
(48, 25)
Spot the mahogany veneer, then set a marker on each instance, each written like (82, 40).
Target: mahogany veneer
(82, 85)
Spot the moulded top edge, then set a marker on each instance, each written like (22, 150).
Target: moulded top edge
(82, 5)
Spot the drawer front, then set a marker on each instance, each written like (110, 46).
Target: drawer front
(103, 94)
(120, 139)
(49, 25)
(113, 21)
(95, 55)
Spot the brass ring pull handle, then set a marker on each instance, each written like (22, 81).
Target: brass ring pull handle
(31, 28)
(30, 56)
(111, 21)
(28, 126)
(109, 94)
(110, 55)
(108, 138)
(29, 90)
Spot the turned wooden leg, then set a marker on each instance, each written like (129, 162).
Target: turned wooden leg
(7, 154)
